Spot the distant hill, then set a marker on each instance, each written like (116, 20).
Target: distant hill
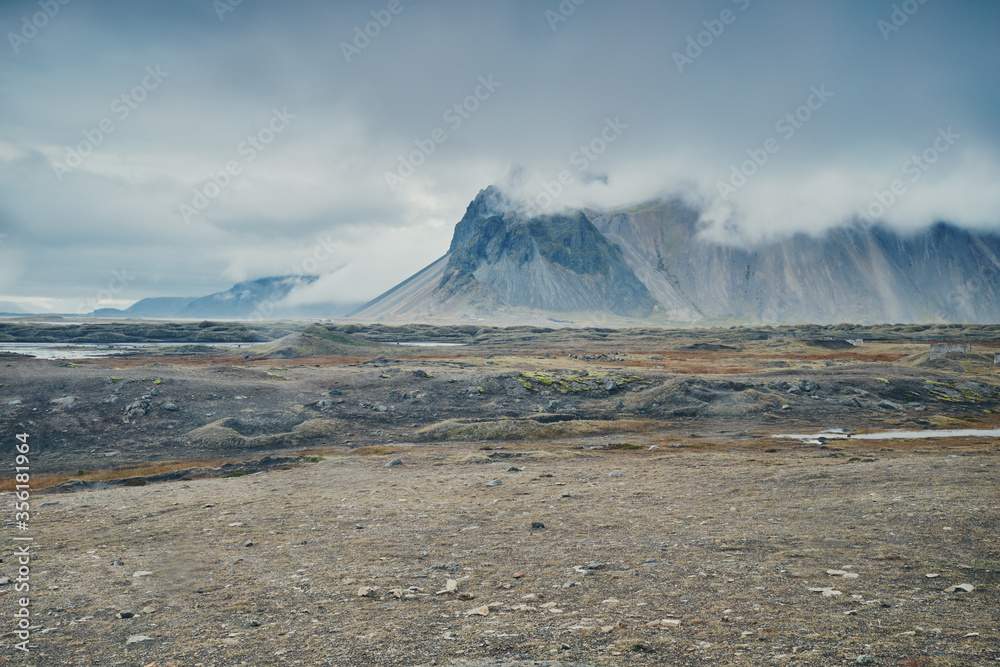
(261, 298)
(11, 308)
(650, 263)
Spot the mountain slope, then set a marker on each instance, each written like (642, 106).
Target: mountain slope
(862, 275)
(500, 262)
(652, 262)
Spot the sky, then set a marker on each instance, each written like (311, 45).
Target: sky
(173, 149)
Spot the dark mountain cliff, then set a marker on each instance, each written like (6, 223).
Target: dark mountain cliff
(651, 262)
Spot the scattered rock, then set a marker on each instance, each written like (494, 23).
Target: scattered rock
(393, 463)
(248, 543)
(479, 611)
(932, 575)
(496, 482)
(367, 591)
(135, 639)
(865, 660)
(616, 473)
(142, 573)
(968, 588)
(827, 592)
(125, 614)
(537, 525)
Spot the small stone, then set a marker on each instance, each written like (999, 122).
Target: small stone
(125, 614)
(142, 573)
(616, 473)
(479, 611)
(366, 592)
(827, 592)
(254, 624)
(513, 469)
(496, 482)
(248, 543)
(933, 575)
(117, 562)
(968, 588)
(654, 448)
(149, 610)
(393, 463)
(135, 639)
(423, 554)
(449, 636)
(519, 575)
(865, 660)
(5, 580)
(537, 525)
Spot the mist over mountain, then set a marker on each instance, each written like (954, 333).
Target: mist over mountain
(653, 263)
(260, 299)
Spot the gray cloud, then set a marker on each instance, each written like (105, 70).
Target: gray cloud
(324, 176)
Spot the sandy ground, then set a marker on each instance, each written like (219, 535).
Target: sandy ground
(809, 555)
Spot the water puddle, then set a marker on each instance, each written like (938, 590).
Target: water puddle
(62, 351)
(840, 434)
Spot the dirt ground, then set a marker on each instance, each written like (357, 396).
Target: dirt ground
(677, 556)
(559, 500)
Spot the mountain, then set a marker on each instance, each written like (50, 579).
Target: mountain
(246, 298)
(652, 263)
(153, 307)
(259, 299)
(9, 308)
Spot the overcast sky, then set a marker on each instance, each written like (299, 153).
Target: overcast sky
(115, 115)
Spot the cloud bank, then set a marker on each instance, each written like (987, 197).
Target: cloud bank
(200, 143)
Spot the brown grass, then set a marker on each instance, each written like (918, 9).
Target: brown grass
(147, 470)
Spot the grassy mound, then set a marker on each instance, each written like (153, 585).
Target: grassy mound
(315, 342)
(526, 429)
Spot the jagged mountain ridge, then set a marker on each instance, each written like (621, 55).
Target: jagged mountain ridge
(650, 262)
